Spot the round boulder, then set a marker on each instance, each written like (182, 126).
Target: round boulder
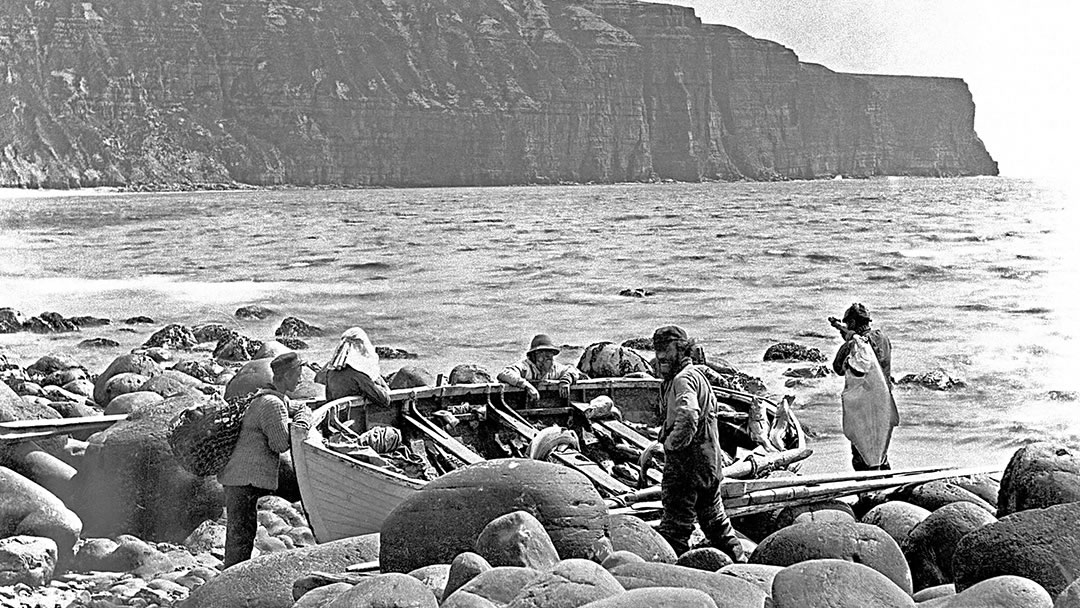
(139, 364)
(855, 542)
(633, 534)
(411, 376)
(824, 511)
(122, 384)
(709, 559)
(1040, 475)
(447, 515)
(896, 518)
(469, 374)
(129, 402)
(725, 591)
(386, 591)
(609, 360)
(29, 509)
(571, 583)
(254, 375)
(930, 545)
(1040, 544)
(656, 597)
(267, 580)
(465, 567)
(495, 587)
(933, 495)
(836, 583)
(999, 592)
(130, 483)
(517, 539)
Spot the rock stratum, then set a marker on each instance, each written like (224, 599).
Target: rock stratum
(441, 93)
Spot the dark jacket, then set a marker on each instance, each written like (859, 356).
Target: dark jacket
(689, 432)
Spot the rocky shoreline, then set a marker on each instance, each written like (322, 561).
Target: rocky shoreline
(108, 518)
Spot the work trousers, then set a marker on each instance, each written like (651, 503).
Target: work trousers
(860, 465)
(683, 499)
(242, 522)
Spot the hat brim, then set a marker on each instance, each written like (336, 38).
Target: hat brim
(554, 349)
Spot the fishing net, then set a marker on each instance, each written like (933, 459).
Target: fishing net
(202, 437)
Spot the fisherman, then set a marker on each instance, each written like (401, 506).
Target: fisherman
(865, 361)
(353, 370)
(690, 441)
(252, 469)
(539, 364)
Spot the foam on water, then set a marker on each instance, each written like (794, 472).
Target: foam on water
(972, 276)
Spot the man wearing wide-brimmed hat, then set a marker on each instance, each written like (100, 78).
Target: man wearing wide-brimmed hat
(691, 443)
(252, 469)
(539, 364)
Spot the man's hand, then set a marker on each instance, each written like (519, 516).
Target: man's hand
(564, 388)
(531, 394)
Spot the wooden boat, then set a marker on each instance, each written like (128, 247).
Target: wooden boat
(347, 495)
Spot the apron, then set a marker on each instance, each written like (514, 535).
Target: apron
(869, 408)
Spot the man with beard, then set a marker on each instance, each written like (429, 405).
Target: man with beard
(691, 445)
(539, 364)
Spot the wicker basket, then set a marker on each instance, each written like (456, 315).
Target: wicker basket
(203, 436)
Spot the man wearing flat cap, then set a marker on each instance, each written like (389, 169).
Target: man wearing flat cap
(880, 415)
(691, 445)
(539, 364)
(252, 469)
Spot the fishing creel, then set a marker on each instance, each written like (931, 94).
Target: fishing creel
(203, 437)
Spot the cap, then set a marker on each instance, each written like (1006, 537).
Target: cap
(542, 342)
(856, 312)
(667, 334)
(285, 362)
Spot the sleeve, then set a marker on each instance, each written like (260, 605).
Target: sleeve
(274, 422)
(841, 357)
(377, 390)
(883, 351)
(570, 374)
(514, 375)
(687, 412)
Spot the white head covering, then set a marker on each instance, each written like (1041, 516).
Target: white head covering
(357, 352)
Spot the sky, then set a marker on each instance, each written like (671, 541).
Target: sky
(1020, 60)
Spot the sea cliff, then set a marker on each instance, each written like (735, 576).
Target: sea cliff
(443, 92)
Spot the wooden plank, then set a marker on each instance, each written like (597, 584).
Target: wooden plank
(20, 430)
(443, 439)
(736, 487)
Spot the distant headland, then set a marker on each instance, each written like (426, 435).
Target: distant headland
(133, 94)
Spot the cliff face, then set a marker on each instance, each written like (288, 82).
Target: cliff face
(443, 92)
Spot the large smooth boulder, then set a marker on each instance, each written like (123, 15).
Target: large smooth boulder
(1040, 544)
(725, 591)
(27, 509)
(759, 575)
(821, 511)
(633, 534)
(930, 546)
(140, 364)
(836, 583)
(495, 587)
(130, 483)
(1040, 475)
(997, 592)
(30, 560)
(469, 373)
(122, 384)
(609, 360)
(517, 539)
(14, 407)
(254, 375)
(571, 583)
(129, 402)
(656, 597)
(171, 383)
(854, 542)
(434, 577)
(709, 559)
(465, 567)
(386, 591)
(933, 495)
(896, 517)
(447, 515)
(266, 581)
(411, 376)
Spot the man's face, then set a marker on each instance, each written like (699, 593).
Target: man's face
(667, 360)
(291, 379)
(544, 359)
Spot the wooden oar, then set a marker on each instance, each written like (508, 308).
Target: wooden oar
(20, 430)
(738, 487)
(573, 459)
(412, 416)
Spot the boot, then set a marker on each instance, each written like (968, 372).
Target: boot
(722, 536)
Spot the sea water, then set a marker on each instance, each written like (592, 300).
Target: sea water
(975, 277)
